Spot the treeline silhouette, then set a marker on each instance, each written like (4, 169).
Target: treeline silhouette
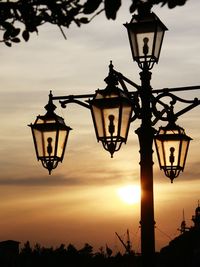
(68, 256)
(183, 251)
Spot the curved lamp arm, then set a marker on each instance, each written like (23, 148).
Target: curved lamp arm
(160, 115)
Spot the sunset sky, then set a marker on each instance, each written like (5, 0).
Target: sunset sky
(80, 202)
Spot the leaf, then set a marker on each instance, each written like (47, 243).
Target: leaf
(182, 2)
(91, 5)
(162, 2)
(25, 35)
(8, 44)
(171, 4)
(31, 28)
(84, 20)
(15, 32)
(7, 25)
(45, 16)
(174, 3)
(111, 8)
(15, 40)
(133, 6)
(6, 35)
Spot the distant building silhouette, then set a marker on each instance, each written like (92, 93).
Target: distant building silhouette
(184, 250)
(196, 217)
(9, 252)
(183, 228)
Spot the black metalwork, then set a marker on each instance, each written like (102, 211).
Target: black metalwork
(146, 33)
(149, 106)
(172, 146)
(111, 110)
(135, 99)
(50, 135)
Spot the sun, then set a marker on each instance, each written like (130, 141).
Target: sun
(130, 194)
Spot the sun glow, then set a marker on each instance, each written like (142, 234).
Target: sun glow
(130, 194)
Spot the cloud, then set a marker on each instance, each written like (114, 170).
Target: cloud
(41, 181)
(192, 171)
(96, 176)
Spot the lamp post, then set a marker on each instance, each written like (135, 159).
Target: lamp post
(114, 108)
(146, 32)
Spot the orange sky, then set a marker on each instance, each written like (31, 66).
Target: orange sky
(79, 202)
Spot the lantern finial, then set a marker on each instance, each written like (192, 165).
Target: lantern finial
(111, 80)
(50, 107)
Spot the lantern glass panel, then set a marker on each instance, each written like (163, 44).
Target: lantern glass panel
(184, 149)
(158, 41)
(106, 109)
(146, 37)
(126, 115)
(160, 152)
(171, 150)
(43, 139)
(133, 41)
(111, 121)
(63, 135)
(98, 120)
(38, 141)
(49, 140)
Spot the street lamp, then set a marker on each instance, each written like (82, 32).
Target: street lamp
(111, 112)
(114, 108)
(50, 137)
(145, 32)
(172, 146)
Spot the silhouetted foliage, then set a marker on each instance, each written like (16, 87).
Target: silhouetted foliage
(183, 251)
(70, 256)
(20, 18)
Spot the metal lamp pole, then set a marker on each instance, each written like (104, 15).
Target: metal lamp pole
(146, 134)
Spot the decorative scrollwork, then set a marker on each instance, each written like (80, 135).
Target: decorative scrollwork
(136, 106)
(166, 110)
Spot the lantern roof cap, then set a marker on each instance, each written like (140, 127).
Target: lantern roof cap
(145, 15)
(111, 90)
(50, 107)
(111, 79)
(173, 126)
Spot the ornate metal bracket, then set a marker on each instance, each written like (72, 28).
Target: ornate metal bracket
(73, 99)
(161, 110)
(165, 114)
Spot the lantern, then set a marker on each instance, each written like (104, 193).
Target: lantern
(111, 110)
(145, 32)
(172, 146)
(50, 134)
